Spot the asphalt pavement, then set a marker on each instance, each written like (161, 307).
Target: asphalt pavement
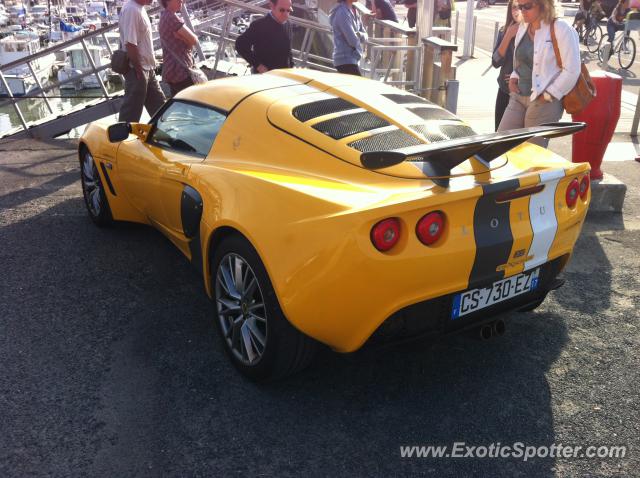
(111, 365)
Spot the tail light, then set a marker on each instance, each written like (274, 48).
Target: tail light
(573, 191)
(430, 227)
(385, 234)
(584, 187)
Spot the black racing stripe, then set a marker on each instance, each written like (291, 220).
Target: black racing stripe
(493, 236)
(108, 179)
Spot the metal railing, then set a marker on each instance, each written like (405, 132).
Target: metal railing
(395, 58)
(42, 91)
(396, 49)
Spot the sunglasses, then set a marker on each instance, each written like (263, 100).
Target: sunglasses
(526, 6)
(282, 10)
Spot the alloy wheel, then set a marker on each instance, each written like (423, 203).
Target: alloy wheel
(91, 186)
(241, 309)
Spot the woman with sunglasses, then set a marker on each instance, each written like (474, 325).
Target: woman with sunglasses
(503, 57)
(537, 85)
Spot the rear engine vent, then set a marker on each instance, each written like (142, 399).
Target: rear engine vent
(427, 113)
(431, 135)
(385, 141)
(320, 108)
(350, 124)
(457, 131)
(406, 99)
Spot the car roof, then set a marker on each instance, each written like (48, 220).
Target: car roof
(343, 115)
(225, 93)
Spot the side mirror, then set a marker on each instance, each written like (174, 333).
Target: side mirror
(118, 132)
(141, 130)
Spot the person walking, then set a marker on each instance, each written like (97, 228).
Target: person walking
(412, 12)
(349, 36)
(442, 13)
(177, 43)
(503, 58)
(141, 87)
(537, 85)
(266, 44)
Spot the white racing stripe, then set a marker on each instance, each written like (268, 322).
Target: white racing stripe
(542, 214)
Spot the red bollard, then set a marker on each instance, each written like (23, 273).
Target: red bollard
(601, 117)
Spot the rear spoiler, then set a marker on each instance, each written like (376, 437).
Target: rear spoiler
(439, 158)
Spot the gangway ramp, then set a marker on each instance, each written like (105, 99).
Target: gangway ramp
(311, 47)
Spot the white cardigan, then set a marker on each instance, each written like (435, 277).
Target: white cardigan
(545, 74)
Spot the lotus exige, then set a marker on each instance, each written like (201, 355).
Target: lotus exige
(325, 208)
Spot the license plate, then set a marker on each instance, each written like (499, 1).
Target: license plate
(476, 299)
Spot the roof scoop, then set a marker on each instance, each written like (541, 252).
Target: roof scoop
(439, 158)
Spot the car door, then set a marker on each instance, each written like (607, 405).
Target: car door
(139, 170)
(182, 136)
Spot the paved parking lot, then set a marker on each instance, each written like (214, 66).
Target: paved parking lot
(111, 365)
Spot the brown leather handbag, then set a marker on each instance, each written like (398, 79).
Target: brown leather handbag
(584, 90)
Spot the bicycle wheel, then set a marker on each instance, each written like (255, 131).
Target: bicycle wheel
(626, 52)
(592, 38)
(580, 30)
(603, 41)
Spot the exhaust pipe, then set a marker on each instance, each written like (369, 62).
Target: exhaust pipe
(486, 332)
(498, 327)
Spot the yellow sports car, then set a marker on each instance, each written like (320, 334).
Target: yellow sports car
(328, 208)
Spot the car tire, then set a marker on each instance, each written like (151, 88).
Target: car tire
(257, 337)
(95, 198)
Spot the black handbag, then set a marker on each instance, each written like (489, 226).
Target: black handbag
(120, 62)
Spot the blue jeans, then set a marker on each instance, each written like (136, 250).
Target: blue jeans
(612, 28)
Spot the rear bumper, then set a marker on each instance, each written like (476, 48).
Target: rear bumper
(433, 317)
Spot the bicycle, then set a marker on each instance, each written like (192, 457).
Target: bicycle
(590, 33)
(623, 45)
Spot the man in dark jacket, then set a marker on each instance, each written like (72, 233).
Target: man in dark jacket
(266, 44)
